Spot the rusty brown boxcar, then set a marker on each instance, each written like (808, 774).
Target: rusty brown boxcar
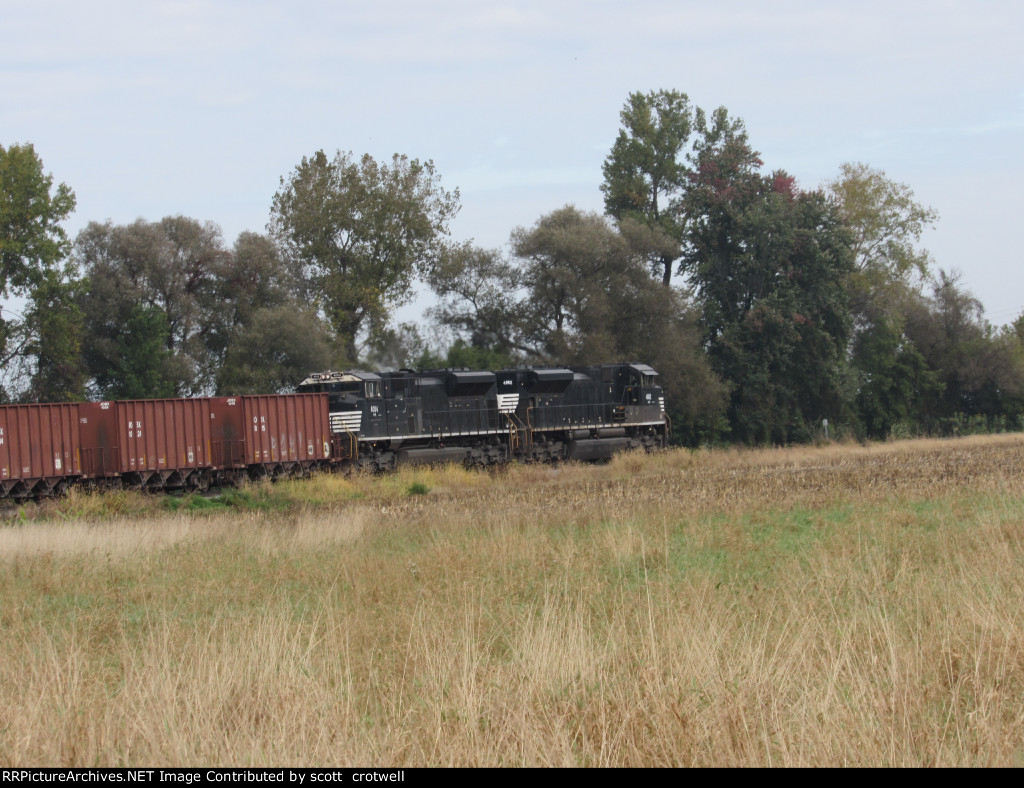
(154, 444)
(270, 435)
(39, 450)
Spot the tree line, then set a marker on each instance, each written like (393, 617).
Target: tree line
(768, 309)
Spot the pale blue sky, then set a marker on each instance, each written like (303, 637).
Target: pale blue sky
(198, 107)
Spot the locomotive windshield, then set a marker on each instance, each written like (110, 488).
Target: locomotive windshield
(353, 387)
(643, 375)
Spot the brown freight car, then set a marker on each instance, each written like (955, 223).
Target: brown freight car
(39, 449)
(267, 436)
(153, 444)
(161, 444)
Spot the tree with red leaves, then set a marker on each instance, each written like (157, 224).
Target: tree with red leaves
(647, 172)
(768, 264)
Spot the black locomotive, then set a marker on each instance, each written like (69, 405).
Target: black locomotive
(380, 420)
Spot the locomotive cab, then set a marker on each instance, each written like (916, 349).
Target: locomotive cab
(642, 387)
(356, 400)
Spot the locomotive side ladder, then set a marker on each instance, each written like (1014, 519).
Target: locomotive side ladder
(518, 433)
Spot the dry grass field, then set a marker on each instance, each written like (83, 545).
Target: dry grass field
(846, 605)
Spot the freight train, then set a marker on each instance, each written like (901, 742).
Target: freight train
(335, 421)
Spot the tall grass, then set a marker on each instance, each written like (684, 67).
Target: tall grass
(842, 606)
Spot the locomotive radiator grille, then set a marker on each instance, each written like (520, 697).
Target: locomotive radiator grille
(346, 421)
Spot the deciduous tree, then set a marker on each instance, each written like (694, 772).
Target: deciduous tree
(32, 242)
(168, 266)
(646, 174)
(264, 337)
(979, 371)
(55, 333)
(886, 223)
(361, 231)
(894, 384)
(769, 264)
(32, 246)
(482, 298)
(275, 350)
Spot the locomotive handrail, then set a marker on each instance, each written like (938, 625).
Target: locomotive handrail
(353, 444)
(514, 428)
(513, 431)
(590, 414)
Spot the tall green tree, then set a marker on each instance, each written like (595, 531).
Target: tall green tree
(230, 320)
(32, 242)
(769, 265)
(275, 350)
(144, 366)
(894, 385)
(647, 172)
(262, 335)
(978, 370)
(168, 266)
(886, 223)
(361, 231)
(576, 268)
(32, 245)
(55, 333)
(481, 296)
